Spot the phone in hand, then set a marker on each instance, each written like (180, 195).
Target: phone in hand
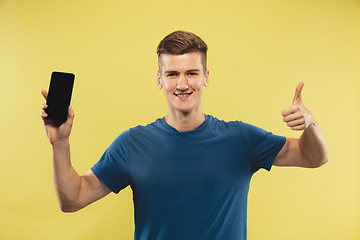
(59, 95)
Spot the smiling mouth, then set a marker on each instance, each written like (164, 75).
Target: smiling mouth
(182, 94)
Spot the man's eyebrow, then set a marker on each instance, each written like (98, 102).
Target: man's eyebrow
(171, 71)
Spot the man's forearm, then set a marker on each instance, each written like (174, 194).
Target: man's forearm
(313, 145)
(66, 180)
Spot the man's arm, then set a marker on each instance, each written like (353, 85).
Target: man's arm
(73, 191)
(310, 149)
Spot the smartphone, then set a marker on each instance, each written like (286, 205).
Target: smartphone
(59, 95)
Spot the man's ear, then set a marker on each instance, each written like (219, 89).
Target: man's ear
(206, 78)
(158, 80)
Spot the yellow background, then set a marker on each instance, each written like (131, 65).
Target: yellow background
(258, 51)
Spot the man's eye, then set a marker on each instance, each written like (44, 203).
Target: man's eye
(171, 75)
(192, 74)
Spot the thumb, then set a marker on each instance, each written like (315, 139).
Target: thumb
(71, 115)
(297, 96)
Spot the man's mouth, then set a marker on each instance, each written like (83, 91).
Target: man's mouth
(182, 94)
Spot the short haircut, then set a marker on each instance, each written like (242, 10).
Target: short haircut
(182, 42)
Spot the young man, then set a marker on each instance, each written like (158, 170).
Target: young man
(189, 172)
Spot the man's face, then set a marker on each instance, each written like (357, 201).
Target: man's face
(182, 77)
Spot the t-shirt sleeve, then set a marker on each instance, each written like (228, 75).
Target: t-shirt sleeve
(112, 168)
(263, 147)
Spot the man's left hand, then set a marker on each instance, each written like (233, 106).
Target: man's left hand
(297, 116)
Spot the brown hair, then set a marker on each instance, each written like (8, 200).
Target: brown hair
(182, 42)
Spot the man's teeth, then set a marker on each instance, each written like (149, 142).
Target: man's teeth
(183, 95)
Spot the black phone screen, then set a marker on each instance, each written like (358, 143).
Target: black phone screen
(59, 95)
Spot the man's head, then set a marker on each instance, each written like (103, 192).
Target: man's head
(182, 42)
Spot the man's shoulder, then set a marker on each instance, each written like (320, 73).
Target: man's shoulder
(233, 124)
(236, 127)
(141, 130)
(224, 124)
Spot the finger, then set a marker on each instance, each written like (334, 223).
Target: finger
(71, 115)
(293, 117)
(296, 122)
(43, 114)
(44, 93)
(299, 127)
(290, 110)
(44, 106)
(297, 96)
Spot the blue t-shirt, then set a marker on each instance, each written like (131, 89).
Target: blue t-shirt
(188, 185)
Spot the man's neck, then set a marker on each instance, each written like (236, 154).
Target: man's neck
(185, 122)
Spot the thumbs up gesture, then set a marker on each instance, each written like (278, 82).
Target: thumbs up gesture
(297, 116)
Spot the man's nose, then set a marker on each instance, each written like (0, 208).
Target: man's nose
(182, 83)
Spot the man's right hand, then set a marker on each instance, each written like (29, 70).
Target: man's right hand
(73, 191)
(56, 131)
